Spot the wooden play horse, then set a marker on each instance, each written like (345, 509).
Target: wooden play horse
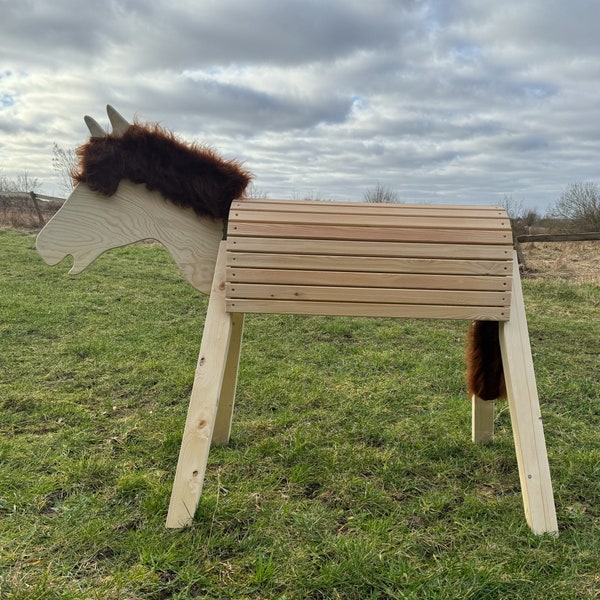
(320, 258)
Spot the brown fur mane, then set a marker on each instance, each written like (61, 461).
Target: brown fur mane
(485, 375)
(187, 175)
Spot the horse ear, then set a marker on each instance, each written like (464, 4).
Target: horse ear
(94, 127)
(119, 124)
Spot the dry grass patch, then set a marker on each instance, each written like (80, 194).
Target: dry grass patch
(576, 262)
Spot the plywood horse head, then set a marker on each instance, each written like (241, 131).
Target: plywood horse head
(140, 182)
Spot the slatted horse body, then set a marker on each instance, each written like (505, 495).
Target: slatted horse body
(452, 262)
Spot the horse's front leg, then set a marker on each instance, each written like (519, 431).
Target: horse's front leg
(204, 402)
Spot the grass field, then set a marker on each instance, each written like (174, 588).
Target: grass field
(350, 473)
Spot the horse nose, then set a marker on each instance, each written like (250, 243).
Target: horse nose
(54, 246)
(47, 247)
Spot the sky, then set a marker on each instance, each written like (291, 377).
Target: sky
(439, 101)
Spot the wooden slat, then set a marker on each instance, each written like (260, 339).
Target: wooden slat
(296, 293)
(479, 313)
(381, 234)
(368, 264)
(373, 280)
(334, 247)
(362, 219)
(369, 208)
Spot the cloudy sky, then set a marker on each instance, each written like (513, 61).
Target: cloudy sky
(452, 101)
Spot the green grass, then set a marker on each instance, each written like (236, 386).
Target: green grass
(350, 473)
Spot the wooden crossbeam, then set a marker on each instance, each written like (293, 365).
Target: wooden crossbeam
(358, 233)
(286, 245)
(396, 280)
(337, 208)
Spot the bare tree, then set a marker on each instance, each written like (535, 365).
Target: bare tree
(310, 195)
(23, 182)
(4, 182)
(26, 183)
(65, 163)
(516, 214)
(381, 194)
(18, 202)
(257, 193)
(579, 206)
(514, 208)
(521, 219)
(314, 195)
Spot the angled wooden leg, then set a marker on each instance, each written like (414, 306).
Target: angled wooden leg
(226, 401)
(482, 421)
(528, 432)
(197, 434)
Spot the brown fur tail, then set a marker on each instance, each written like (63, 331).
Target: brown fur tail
(485, 375)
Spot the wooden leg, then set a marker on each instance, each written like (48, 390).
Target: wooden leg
(198, 431)
(482, 422)
(226, 401)
(528, 432)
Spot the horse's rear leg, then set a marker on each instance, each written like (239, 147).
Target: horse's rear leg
(528, 432)
(482, 420)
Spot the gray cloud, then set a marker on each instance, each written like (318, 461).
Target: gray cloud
(290, 33)
(239, 109)
(463, 101)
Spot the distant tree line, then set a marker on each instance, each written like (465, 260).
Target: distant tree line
(578, 207)
(23, 182)
(381, 194)
(577, 210)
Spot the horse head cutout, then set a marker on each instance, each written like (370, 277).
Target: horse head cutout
(140, 182)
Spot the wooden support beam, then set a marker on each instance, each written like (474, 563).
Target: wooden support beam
(528, 431)
(224, 417)
(202, 411)
(482, 421)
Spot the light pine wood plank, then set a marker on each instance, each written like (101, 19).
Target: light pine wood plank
(306, 293)
(369, 264)
(482, 421)
(386, 249)
(363, 219)
(350, 309)
(369, 208)
(223, 421)
(386, 280)
(524, 406)
(199, 425)
(372, 234)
